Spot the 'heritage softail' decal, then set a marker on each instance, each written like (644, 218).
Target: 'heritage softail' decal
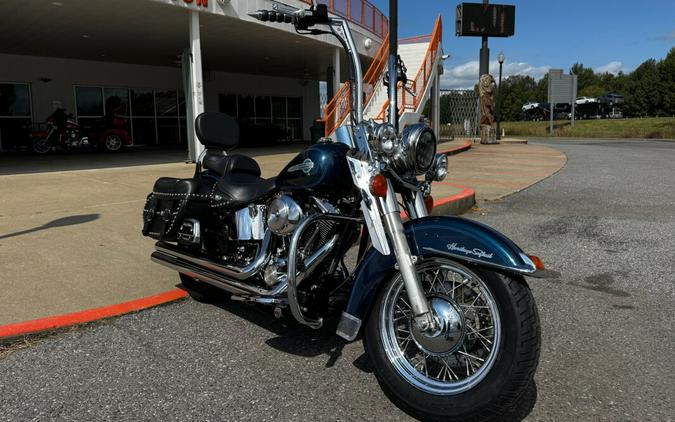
(475, 251)
(306, 166)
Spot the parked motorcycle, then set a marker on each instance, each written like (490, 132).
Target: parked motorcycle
(63, 132)
(447, 319)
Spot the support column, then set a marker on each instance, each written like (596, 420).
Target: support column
(196, 86)
(436, 104)
(335, 64)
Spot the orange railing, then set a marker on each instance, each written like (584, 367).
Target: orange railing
(339, 107)
(422, 79)
(361, 12)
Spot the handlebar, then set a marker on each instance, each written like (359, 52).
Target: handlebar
(302, 19)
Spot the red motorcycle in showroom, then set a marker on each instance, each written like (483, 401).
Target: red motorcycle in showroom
(63, 132)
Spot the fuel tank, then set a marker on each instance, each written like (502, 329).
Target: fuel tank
(320, 170)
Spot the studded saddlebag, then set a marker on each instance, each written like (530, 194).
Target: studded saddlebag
(173, 200)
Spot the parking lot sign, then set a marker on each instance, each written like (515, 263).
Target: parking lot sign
(562, 89)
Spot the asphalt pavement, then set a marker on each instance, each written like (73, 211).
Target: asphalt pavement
(605, 221)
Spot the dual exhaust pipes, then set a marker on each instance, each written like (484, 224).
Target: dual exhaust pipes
(235, 279)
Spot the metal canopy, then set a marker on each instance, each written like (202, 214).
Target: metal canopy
(152, 33)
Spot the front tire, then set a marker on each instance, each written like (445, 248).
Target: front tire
(40, 145)
(476, 370)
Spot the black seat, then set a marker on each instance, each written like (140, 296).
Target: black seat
(236, 190)
(221, 164)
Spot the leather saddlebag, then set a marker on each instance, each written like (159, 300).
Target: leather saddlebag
(173, 200)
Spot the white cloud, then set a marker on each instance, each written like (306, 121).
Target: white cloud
(612, 67)
(465, 75)
(669, 36)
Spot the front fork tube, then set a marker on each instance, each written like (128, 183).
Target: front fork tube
(414, 202)
(406, 262)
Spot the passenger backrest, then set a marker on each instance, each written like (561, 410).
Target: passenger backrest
(217, 130)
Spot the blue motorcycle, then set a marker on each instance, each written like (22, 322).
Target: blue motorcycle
(447, 319)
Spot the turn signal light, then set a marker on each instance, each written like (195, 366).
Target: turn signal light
(429, 203)
(538, 263)
(378, 185)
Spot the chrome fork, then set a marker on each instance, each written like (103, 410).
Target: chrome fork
(424, 318)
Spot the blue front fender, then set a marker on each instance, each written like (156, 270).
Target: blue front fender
(457, 238)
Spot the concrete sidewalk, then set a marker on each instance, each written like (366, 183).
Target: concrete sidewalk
(70, 240)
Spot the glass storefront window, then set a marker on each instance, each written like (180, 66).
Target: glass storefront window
(89, 101)
(142, 102)
(227, 103)
(166, 103)
(283, 112)
(279, 107)
(295, 107)
(246, 110)
(14, 100)
(116, 101)
(262, 107)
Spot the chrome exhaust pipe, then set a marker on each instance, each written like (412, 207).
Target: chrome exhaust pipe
(205, 274)
(220, 275)
(229, 271)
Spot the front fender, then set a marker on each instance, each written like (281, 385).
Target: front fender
(457, 238)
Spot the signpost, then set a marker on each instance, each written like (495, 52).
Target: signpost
(485, 20)
(562, 89)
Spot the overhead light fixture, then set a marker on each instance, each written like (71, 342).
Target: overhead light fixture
(85, 35)
(57, 3)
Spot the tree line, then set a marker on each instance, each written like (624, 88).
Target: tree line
(649, 90)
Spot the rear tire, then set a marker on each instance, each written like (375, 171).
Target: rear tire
(111, 141)
(201, 291)
(429, 393)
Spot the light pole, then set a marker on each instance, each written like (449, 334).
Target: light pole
(500, 59)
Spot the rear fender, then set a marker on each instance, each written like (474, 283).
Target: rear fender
(463, 240)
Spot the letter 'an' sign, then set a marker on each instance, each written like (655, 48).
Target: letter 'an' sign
(485, 20)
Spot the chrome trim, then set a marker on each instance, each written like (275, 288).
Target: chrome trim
(349, 326)
(292, 265)
(250, 222)
(371, 212)
(209, 276)
(230, 271)
(195, 237)
(419, 206)
(346, 34)
(418, 301)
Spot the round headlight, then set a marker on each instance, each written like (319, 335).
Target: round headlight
(421, 150)
(440, 169)
(387, 137)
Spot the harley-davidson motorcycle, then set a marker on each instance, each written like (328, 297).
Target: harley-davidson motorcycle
(447, 319)
(63, 132)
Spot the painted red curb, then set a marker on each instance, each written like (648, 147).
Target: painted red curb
(66, 320)
(456, 150)
(465, 193)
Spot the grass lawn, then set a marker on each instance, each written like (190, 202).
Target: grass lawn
(650, 127)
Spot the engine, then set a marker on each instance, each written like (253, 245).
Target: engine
(281, 217)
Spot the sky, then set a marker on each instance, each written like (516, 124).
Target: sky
(603, 34)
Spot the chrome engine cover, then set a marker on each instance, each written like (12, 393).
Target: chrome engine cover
(251, 222)
(283, 215)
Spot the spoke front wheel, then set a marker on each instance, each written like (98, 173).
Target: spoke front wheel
(479, 361)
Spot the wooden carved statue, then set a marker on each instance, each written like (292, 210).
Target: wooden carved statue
(486, 88)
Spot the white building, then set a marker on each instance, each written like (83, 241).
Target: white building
(125, 57)
(88, 56)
